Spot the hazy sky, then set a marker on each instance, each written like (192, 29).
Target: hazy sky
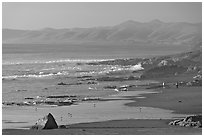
(68, 15)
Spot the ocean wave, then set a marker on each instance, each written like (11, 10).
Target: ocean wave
(54, 61)
(40, 75)
(78, 60)
(112, 69)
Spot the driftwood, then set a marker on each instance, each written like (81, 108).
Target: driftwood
(189, 121)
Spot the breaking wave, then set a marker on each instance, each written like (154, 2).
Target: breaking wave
(54, 61)
(40, 75)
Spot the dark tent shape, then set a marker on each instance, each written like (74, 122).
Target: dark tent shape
(51, 123)
(48, 122)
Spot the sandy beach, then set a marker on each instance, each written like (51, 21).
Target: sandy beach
(119, 127)
(184, 100)
(91, 111)
(122, 116)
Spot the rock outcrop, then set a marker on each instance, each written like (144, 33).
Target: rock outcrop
(47, 122)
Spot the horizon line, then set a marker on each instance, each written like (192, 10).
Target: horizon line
(54, 28)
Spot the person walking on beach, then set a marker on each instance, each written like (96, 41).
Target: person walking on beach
(163, 84)
(177, 84)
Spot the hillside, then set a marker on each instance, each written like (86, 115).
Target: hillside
(154, 34)
(164, 66)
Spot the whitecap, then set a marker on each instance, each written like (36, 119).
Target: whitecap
(53, 61)
(34, 75)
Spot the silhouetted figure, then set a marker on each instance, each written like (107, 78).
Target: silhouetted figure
(177, 84)
(163, 84)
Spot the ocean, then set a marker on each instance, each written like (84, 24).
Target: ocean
(32, 73)
(27, 70)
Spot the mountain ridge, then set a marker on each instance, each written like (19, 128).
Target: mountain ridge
(128, 32)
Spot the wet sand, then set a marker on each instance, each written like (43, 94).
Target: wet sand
(184, 100)
(91, 111)
(116, 127)
(151, 120)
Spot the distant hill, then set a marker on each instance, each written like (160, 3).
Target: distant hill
(154, 33)
(163, 66)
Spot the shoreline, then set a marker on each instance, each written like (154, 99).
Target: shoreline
(147, 100)
(178, 101)
(99, 113)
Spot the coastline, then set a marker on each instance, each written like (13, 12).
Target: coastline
(86, 111)
(146, 99)
(149, 97)
(173, 99)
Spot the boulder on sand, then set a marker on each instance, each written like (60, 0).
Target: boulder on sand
(47, 122)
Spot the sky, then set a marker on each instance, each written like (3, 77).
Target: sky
(38, 15)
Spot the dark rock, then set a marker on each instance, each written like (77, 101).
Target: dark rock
(79, 83)
(8, 103)
(50, 102)
(73, 96)
(62, 127)
(110, 87)
(65, 103)
(59, 96)
(61, 83)
(20, 90)
(29, 98)
(84, 77)
(59, 103)
(48, 122)
(91, 82)
(113, 78)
